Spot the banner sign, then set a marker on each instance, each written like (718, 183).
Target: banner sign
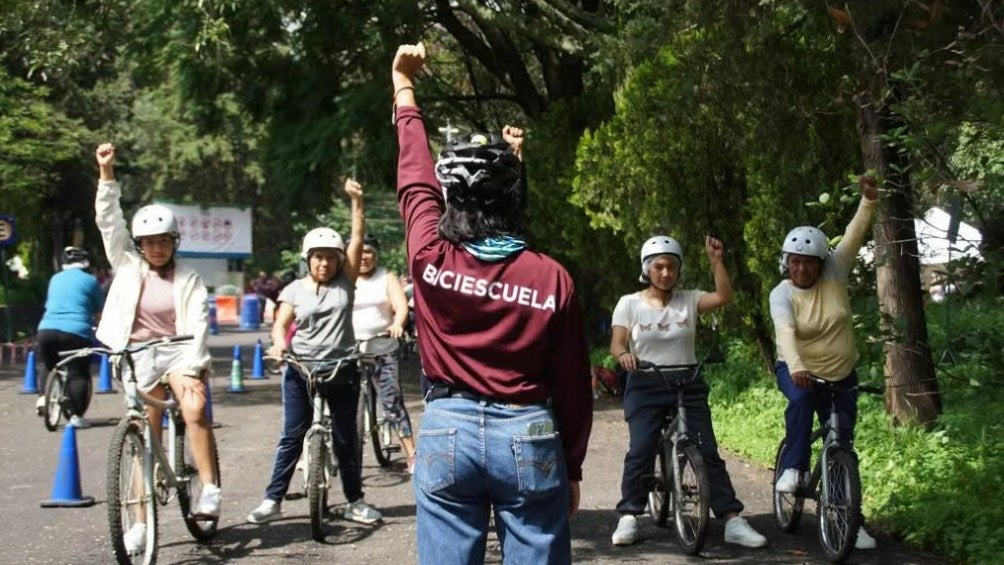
(213, 231)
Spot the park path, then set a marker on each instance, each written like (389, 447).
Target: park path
(249, 425)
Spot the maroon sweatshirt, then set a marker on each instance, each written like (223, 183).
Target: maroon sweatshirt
(511, 329)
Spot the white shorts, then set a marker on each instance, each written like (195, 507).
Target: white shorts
(155, 363)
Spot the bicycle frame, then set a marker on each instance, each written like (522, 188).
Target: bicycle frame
(153, 448)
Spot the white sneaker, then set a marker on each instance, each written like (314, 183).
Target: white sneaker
(739, 532)
(360, 511)
(626, 532)
(40, 406)
(209, 502)
(788, 481)
(865, 540)
(79, 422)
(267, 511)
(135, 538)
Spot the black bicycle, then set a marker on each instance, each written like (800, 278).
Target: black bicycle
(57, 402)
(834, 483)
(680, 483)
(371, 421)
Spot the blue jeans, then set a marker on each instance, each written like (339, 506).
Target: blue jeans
(802, 402)
(647, 402)
(297, 414)
(474, 456)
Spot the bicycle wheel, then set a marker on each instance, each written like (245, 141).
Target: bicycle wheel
(690, 498)
(55, 406)
(787, 505)
(658, 494)
(378, 428)
(129, 502)
(190, 484)
(839, 510)
(317, 487)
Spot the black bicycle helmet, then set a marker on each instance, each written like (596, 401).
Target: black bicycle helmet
(480, 167)
(73, 254)
(370, 240)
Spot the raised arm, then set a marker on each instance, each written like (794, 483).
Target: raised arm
(354, 252)
(408, 60)
(723, 284)
(856, 233)
(108, 212)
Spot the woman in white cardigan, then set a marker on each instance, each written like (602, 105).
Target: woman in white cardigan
(153, 295)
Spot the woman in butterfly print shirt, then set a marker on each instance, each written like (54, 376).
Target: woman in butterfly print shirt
(658, 324)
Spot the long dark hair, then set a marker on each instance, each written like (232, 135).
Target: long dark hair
(472, 214)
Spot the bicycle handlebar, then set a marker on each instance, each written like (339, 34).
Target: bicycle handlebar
(860, 388)
(649, 367)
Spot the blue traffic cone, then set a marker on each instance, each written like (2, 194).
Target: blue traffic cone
(66, 486)
(105, 376)
(30, 375)
(214, 326)
(258, 363)
(237, 372)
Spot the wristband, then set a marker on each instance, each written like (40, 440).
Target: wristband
(622, 353)
(402, 89)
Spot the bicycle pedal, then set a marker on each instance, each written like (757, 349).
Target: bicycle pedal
(393, 449)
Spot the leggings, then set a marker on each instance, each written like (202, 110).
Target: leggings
(385, 380)
(78, 371)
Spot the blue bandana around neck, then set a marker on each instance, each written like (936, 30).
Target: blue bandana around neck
(493, 249)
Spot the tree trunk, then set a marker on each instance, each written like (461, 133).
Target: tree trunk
(912, 393)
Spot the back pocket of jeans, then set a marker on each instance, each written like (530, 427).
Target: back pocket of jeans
(436, 454)
(539, 464)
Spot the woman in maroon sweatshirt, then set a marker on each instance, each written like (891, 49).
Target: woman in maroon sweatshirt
(503, 344)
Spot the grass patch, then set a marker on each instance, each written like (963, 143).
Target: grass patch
(937, 490)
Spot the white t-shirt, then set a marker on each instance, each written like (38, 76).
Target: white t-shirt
(372, 313)
(664, 336)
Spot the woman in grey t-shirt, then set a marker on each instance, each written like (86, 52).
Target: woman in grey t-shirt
(321, 305)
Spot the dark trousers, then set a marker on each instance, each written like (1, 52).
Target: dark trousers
(802, 403)
(297, 413)
(78, 371)
(647, 402)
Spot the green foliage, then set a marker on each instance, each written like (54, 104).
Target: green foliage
(931, 488)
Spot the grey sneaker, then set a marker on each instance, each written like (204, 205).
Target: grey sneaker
(626, 532)
(267, 511)
(865, 540)
(79, 422)
(739, 532)
(360, 511)
(135, 538)
(788, 481)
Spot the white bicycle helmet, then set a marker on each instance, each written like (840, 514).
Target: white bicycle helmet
(804, 240)
(154, 219)
(318, 238)
(659, 245)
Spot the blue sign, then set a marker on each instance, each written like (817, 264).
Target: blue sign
(7, 233)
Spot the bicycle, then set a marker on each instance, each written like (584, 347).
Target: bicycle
(57, 403)
(837, 491)
(141, 475)
(321, 467)
(372, 422)
(680, 482)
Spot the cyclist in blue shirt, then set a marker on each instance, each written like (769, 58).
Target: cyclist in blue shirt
(72, 304)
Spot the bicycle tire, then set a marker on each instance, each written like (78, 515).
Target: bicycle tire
(787, 506)
(658, 495)
(190, 485)
(375, 428)
(126, 472)
(691, 496)
(54, 404)
(839, 509)
(317, 488)
(361, 415)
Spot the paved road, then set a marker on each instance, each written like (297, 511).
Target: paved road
(249, 427)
